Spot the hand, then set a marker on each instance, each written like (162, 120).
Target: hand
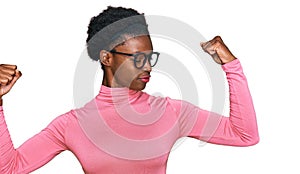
(218, 50)
(9, 74)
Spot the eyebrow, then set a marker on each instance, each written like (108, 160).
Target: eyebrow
(143, 51)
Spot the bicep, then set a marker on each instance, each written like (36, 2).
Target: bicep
(42, 147)
(218, 129)
(214, 128)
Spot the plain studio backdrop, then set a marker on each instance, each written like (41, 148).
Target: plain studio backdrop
(47, 38)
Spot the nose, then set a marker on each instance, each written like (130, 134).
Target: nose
(147, 66)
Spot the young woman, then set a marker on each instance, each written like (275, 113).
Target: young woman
(125, 130)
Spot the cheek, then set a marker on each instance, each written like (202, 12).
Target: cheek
(125, 72)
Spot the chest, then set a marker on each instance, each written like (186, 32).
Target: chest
(122, 140)
(120, 158)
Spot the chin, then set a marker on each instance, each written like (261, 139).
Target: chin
(137, 87)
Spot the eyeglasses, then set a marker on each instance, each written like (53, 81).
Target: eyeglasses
(141, 58)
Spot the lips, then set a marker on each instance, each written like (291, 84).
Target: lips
(145, 78)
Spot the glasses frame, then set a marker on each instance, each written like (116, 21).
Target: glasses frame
(135, 56)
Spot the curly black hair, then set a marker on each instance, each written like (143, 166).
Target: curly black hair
(107, 17)
(101, 33)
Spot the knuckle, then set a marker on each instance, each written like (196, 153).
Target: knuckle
(9, 78)
(218, 37)
(12, 67)
(218, 43)
(4, 81)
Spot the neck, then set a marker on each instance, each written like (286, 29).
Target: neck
(107, 78)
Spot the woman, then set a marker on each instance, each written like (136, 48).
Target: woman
(124, 130)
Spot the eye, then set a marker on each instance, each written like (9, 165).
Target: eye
(139, 57)
(153, 56)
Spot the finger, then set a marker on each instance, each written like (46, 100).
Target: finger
(9, 84)
(207, 45)
(212, 47)
(204, 45)
(217, 59)
(8, 69)
(4, 81)
(219, 45)
(18, 73)
(7, 76)
(9, 66)
(212, 41)
(218, 38)
(15, 78)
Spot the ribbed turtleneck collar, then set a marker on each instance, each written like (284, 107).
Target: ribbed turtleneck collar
(117, 95)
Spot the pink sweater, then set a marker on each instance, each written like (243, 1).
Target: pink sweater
(125, 131)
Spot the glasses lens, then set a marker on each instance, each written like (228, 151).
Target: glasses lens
(153, 59)
(139, 60)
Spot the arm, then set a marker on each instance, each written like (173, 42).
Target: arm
(36, 151)
(240, 128)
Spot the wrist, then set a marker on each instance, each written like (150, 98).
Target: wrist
(1, 102)
(229, 60)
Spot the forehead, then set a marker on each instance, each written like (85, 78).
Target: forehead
(136, 44)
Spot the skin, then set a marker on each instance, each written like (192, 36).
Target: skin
(119, 70)
(218, 50)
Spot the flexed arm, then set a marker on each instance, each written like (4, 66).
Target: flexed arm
(240, 128)
(37, 150)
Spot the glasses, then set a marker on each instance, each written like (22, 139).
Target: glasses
(140, 59)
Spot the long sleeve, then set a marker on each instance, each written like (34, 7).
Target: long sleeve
(35, 152)
(178, 118)
(239, 129)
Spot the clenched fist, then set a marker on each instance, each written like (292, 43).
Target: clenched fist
(9, 74)
(218, 50)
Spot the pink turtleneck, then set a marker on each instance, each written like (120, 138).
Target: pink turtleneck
(125, 131)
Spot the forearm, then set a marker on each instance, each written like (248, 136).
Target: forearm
(240, 128)
(7, 151)
(242, 112)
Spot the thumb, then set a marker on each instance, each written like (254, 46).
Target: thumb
(14, 80)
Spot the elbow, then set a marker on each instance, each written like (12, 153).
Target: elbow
(252, 138)
(251, 141)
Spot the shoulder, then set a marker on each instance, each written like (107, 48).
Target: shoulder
(176, 105)
(62, 121)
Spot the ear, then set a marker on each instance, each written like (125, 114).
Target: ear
(106, 58)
